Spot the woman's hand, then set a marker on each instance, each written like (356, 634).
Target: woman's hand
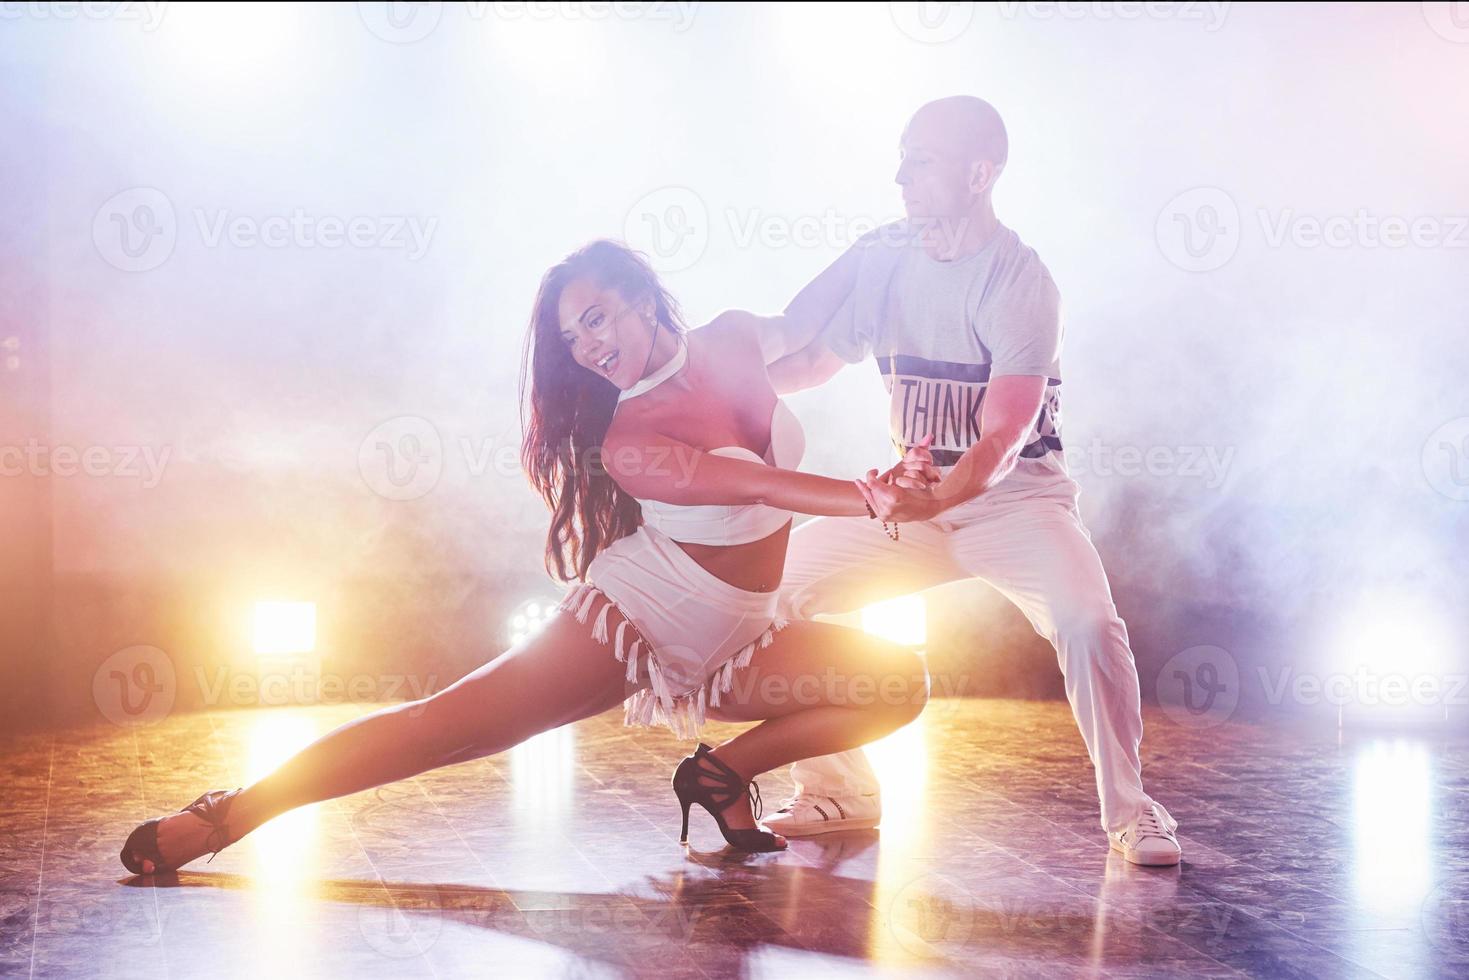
(891, 501)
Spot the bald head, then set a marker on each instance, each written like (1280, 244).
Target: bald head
(961, 126)
(951, 154)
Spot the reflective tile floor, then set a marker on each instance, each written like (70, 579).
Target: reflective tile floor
(1306, 855)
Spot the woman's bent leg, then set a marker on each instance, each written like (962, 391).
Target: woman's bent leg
(816, 690)
(559, 676)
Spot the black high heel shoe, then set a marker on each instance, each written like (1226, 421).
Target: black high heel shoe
(142, 844)
(714, 798)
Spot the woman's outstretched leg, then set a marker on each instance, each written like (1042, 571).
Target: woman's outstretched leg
(559, 676)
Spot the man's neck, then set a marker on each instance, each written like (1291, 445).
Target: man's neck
(951, 239)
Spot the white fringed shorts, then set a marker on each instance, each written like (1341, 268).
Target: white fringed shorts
(685, 633)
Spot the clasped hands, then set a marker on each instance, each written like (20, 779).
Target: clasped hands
(905, 492)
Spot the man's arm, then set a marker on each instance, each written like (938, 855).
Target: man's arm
(814, 365)
(1010, 408)
(789, 369)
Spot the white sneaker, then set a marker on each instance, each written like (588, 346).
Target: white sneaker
(1151, 839)
(807, 815)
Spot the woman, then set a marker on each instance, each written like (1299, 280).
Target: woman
(668, 463)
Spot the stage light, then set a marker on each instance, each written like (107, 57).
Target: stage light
(530, 618)
(1392, 658)
(1394, 634)
(235, 43)
(903, 620)
(285, 627)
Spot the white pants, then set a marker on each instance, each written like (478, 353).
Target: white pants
(1035, 550)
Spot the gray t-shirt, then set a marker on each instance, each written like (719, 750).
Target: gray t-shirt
(941, 330)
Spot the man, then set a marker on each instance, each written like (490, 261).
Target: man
(963, 320)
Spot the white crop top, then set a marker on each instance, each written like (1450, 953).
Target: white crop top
(724, 524)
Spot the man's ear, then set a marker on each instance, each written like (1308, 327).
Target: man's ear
(982, 176)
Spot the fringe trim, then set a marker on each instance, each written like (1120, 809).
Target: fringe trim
(683, 713)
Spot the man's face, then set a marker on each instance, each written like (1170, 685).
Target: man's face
(934, 172)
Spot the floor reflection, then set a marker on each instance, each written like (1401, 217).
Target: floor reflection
(543, 774)
(283, 853)
(1392, 827)
(906, 919)
(1303, 858)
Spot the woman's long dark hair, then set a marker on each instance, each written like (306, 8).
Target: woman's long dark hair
(566, 410)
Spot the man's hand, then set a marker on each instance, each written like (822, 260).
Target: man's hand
(915, 471)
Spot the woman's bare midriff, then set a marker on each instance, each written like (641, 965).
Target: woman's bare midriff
(754, 567)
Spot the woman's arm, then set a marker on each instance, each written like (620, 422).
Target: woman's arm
(654, 467)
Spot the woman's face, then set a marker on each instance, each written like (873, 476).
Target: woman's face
(605, 333)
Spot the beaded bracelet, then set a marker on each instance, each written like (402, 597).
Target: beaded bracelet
(890, 532)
